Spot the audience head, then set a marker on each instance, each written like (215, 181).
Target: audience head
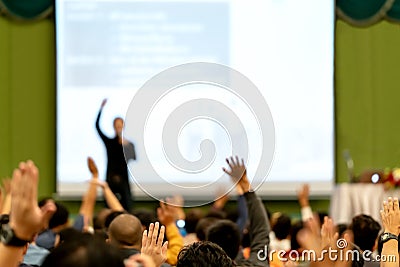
(84, 251)
(110, 217)
(100, 219)
(126, 231)
(203, 254)
(365, 230)
(218, 214)
(191, 220)
(146, 217)
(282, 226)
(341, 228)
(296, 227)
(202, 227)
(226, 234)
(60, 217)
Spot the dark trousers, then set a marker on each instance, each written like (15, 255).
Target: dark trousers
(121, 189)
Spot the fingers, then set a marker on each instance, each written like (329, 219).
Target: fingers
(385, 207)
(229, 162)
(383, 216)
(396, 204)
(153, 237)
(164, 248)
(237, 160)
(390, 204)
(144, 240)
(150, 234)
(16, 181)
(161, 236)
(48, 210)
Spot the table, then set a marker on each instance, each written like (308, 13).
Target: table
(349, 200)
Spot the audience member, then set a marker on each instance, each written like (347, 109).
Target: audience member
(259, 224)
(390, 215)
(203, 254)
(125, 233)
(191, 221)
(280, 234)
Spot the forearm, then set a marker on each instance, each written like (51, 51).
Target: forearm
(111, 200)
(242, 210)
(259, 224)
(99, 131)
(390, 250)
(89, 202)
(6, 205)
(175, 243)
(10, 256)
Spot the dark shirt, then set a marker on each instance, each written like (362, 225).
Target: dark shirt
(259, 232)
(116, 164)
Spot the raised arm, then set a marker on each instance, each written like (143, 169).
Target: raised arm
(6, 207)
(89, 199)
(99, 131)
(26, 218)
(167, 215)
(111, 200)
(259, 223)
(303, 196)
(391, 222)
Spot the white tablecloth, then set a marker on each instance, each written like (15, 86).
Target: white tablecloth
(349, 200)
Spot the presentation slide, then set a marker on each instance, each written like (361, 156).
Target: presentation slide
(116, 49)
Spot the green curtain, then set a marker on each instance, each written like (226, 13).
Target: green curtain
(364, 13)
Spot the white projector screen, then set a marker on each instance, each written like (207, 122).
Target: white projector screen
(110, 48)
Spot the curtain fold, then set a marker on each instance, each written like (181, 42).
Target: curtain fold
(26, 9)
(363, 13)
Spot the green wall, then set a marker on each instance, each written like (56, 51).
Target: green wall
(27, 98)
(366, 98)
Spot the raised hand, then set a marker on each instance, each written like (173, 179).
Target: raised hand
(92, 167)
(176, 202)
(7, 185)
(329, 235)
(391, 216)
(26, 218)
(103, 103)
(303, 195)
(166, 213)
(152, 244)
(237, 171)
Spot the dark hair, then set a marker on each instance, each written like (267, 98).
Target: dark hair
(282, 227)
(341, 228)
(202, 227)
(296, 227)
(146, 217)
(191, 220)
(365, 230)
(116, 119)
(226, 234)
(85, 251)
(43, 201)
(69, 234)
(203, 254)
(60, 217)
